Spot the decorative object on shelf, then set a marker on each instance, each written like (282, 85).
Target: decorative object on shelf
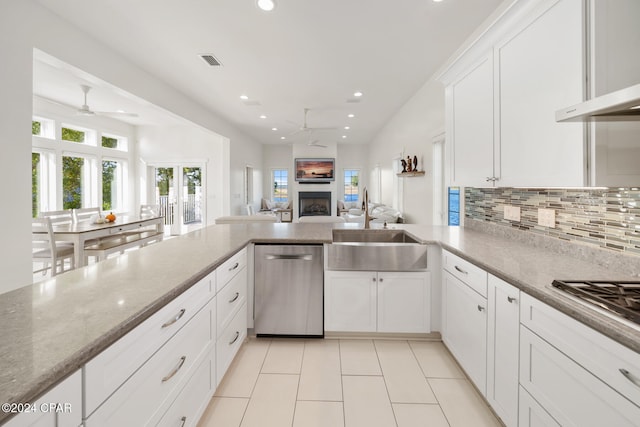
(404, 165)
(410, 167)
(415, 163)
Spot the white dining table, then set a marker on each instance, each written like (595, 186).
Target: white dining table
(81, 232)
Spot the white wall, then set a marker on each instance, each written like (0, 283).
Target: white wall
(410, 132)
(244, 153)
(24, 25)
(182, 145)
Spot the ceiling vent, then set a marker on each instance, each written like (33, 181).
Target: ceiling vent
(210, 59)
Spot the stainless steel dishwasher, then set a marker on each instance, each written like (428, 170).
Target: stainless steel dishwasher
(289, 289)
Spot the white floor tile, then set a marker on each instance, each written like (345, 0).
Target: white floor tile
(402, 374)
(358, 357)
(320, 378)
(461, 403)
(243, 373)
(273, 401)
(318, 414)
(419, 415)
(435, 360)
(284, 357)
(366, 402)
(224, 411)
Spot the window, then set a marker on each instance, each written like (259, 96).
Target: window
(112, 185)
(79, 135)
(42, 127)
(351, 190)
(35, 184)
(454, 205)
(72, 171)
(115, 142)
(280, 182)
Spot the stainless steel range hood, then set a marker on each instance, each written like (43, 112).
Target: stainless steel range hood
(622, 105)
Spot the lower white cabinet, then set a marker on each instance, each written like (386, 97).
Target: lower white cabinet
(503, 349)
(59, 407)
(369, 301)
(465, 328)
(531, 414)
(229, 342)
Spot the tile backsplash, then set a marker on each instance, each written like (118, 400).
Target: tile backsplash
(605, 218)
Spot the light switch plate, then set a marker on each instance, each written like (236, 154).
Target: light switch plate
(547, 217)
(512, 213)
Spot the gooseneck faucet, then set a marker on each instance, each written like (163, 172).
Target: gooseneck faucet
(367, 217)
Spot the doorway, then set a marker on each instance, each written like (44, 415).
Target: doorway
(179, 193)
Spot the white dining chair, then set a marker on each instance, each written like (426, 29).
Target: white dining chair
(46, 251)
(58, 217)
(85, 214)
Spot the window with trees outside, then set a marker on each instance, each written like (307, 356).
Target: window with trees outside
(351, 189)
(280, 185)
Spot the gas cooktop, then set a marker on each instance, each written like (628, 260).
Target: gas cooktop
(618, 297)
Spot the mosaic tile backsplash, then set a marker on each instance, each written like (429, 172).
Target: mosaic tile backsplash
(605, 218)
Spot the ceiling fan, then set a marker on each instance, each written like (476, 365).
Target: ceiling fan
(305, 128)
(315, 142)
(86, 111)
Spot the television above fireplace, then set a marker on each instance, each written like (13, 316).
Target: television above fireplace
(315, 170)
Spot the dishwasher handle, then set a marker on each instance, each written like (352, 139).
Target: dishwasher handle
(304, 257)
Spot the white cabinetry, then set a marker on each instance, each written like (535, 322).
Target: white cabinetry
(59, 407)
(580, 377)
(503, 349)
(369, 301)
(469, 106)
(540, 70)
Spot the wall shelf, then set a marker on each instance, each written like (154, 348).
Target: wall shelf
(411, 174)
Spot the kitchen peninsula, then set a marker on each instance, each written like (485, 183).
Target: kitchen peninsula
(52, 328)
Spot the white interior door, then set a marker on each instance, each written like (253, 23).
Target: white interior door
(179, 191)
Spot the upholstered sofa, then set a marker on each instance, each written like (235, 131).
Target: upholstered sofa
(379, 212)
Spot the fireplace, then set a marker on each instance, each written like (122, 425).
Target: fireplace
(314, 203)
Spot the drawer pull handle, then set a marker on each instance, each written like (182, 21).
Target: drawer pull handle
(175, 319)
(381, 280)
(373, 279)
(175, 370)
(235, 338)
(236, 265)
(234, 298)
(183, 421)
(480, 308)
(628, 375)
(303, 257)
(460, 270)
(511, 299)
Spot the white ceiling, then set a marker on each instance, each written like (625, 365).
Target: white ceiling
(304, 54)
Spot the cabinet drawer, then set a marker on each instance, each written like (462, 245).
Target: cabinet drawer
(230, 299)
(145, 396)
(532, 414)
(109, 369)
(473, 276)
(571, 394)
(230, 341)
(597, 353)
(192, 400)
(230, 268)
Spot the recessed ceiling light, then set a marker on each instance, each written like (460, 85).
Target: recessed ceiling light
(274, 128)
(266, 5)
(357, 94)
(283, 137)
(351, 116)
(437, 1)
(347, 128)
(263, 116)
(244, 97)
(344, 136)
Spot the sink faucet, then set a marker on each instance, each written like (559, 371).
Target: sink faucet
(367, 217)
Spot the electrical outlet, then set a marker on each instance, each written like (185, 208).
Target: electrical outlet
(547, 217)
(512, 213)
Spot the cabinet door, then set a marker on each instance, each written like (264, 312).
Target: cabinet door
(532, 414)
(503, 349)
(541, 69)
(350, 301)
(470, 122)
(404, 301)
(465, 319)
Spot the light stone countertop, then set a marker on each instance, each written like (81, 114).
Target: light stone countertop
(50, 329)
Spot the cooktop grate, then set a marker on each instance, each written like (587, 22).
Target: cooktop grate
(620, 297)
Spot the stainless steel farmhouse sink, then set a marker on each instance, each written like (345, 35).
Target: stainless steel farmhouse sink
(376, 250)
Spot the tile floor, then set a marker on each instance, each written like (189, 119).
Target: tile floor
(345, 383)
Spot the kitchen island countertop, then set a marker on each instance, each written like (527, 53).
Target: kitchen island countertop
(51, 328)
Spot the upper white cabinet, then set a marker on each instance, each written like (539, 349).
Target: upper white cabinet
(502, 95)
(470, 109)
(615, 65)
(540, 69)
